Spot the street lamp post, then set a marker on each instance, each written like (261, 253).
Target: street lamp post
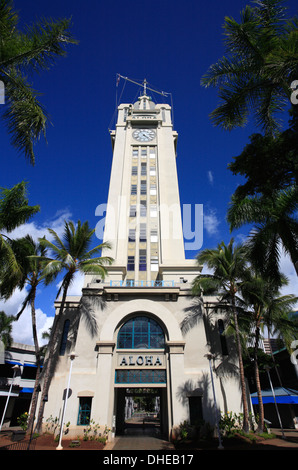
(15, 368)
(209, 357)
(72, 357)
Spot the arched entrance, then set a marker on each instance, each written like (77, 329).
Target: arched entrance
(141, 377)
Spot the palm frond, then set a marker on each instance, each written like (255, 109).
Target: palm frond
(25, 117)
(14, 208)
(41, 44)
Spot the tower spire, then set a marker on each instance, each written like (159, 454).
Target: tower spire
(145, 87)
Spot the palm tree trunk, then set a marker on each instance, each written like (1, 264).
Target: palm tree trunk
(47, 372)
(258, 383)
(241, 369)
(37, 354)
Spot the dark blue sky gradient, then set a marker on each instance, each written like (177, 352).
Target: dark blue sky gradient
(171, 43)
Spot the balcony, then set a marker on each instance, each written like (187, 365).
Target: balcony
(134, 283)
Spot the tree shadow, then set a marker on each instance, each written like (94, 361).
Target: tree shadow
(87, 311)
(224, 359)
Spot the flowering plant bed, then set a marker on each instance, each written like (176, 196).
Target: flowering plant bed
(47, 441)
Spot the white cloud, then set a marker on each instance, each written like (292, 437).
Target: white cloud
(22, 329)
(287, 268)
(210, 177)
(211, 222)
(76, 287)
(39, 230)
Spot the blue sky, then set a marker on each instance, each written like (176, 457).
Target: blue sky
(171, 43)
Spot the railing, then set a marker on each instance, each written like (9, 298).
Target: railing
(133, 283)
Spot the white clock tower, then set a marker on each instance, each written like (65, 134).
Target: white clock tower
(143, 219)
(137, 347)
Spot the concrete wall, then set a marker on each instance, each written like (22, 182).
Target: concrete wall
(93, 371)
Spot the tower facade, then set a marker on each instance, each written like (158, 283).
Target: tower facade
(126, 329)
(143, 216)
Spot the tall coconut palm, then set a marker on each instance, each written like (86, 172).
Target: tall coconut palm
(260, 64)
(71, 254)
(275, 227)
(6, 329)
(228, 263)
(14, 211)
(266, 307)
(33, 49)
(30, 275)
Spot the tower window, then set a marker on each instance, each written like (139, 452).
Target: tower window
(141, 332)
(143, 187)
(133, 211)
(142, 260)
(135, 152)
(152, 152)
(144, 152)
(154, 263)
(84, 411)
(153, 210)
(130, 263)
(133, 189)
(153, 189)
(143, 208)
(143, 169)
(132, 235)
(143, 233)
(153, 235)
(134, 170)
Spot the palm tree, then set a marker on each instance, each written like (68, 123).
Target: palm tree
(30, 275)
(6, 329)
(14, 211)
(276, 227)
(34, 49)
(256, 73)
(228, 263)
(71, 254)
(266, 307)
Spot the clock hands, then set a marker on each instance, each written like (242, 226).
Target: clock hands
(144, 134)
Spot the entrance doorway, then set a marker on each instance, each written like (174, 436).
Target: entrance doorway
(141, 411)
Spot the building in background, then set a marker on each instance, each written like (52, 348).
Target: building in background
(22, 380)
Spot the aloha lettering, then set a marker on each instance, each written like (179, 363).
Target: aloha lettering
(141, 361)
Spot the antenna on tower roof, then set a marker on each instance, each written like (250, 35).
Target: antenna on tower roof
(144, 85)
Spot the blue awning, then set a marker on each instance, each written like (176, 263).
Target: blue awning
(285, 396)
(15, 363)
(26, 390)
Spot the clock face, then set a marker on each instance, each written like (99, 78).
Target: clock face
(143, 135)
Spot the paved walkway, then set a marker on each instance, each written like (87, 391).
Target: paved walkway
(140, 439)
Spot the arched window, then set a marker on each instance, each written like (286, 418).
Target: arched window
(64, 337)
(141, 332)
